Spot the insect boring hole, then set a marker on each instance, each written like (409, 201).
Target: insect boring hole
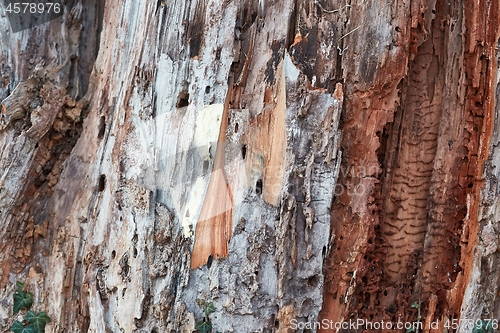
(258, 187)
(183, 100)
(102, 183)
(244, 151)
(206, 165)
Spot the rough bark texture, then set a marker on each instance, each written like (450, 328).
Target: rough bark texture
(410, 237)
(157, 153)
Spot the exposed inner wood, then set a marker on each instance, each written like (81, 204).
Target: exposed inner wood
(267, 141)
(215, 223)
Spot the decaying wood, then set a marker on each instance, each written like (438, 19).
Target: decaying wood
(427, 136)
(347, 170)
(215, 223)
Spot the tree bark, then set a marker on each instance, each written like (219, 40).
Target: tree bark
(289, 161)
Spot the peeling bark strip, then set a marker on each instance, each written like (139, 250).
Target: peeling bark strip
(120, 212)
(215, 223)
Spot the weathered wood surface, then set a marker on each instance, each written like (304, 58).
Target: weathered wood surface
(156, 153)
(107, 245)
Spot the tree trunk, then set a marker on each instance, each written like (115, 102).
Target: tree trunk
(289, 161)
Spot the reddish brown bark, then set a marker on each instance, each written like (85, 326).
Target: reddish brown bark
(425, 136)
